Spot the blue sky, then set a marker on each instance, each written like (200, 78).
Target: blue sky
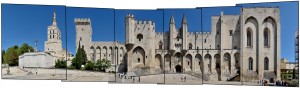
(28, 23)
(193, 18)
(141, 15)
(289, 12)
(102, 21)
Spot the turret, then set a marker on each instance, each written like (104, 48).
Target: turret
(129, 28)
(184, 32)
(172, 30)
(83, 32)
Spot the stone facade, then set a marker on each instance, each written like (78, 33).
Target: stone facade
(245, 45)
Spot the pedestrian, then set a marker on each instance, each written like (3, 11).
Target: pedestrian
(36, 71)
(133, 79)
(184, 78)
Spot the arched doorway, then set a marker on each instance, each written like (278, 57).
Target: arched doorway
(158, 61)
(189, 62)
(178, 68)
(227, 61)
(139, 55)
(198, 63)
(207, 62)
(168, 62)
(218, 65)
(237, 62)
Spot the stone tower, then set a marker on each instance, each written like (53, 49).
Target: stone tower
(130, 27)
(53, 43)
(184, 32)
(83, 34)
(172, 30)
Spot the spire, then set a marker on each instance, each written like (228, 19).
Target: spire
(172, 20)
(183, 19)
(54, 18)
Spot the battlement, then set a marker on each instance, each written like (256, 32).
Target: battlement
(129, 15)
(82, 21)
(149, 22)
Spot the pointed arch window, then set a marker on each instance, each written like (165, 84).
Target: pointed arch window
(160, 45)
(249, 37)
(190, 46)
(250, 64)
(266, 63)
(266, 37)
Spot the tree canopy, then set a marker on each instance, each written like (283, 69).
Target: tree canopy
(11, 55)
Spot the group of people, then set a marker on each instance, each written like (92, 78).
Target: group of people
(281, 83)
(277, 83)
(263, 82)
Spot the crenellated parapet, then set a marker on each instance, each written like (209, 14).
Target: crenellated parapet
(82, 21)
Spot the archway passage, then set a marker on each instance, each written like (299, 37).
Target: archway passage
(218, 65)
(178, 69)
(139, 55)
(158, 61)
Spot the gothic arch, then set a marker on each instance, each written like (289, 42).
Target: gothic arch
(92, 53)
(207, 59)
(251, 23)
(160, 45)
(104, 52)
(249, 36)
(139, 55)
(158, 61)
(189, 61)
(227, 61)
(250, 63)
(266, 37)
(266, 63)
(98, 51)
(217, 59)
(168, 61)
(190, 46)
(198, 63)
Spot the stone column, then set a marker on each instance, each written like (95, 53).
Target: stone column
(232, 64)
(213, 65)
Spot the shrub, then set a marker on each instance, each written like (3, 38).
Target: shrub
(89, 66)
(60, 63)
(102, 64)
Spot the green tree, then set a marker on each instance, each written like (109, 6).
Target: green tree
(89, 65)
(60, 63)
(80, 58)
(102, 64)
(2, 57)
(11, 56)
(25, 48)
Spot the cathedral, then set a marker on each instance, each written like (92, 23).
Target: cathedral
(245, 46)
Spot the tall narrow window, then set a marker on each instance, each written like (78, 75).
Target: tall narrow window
(190, 46)
(250, 65)
(266, 37)
(160, 45)
(249, 38)
(266, 63)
